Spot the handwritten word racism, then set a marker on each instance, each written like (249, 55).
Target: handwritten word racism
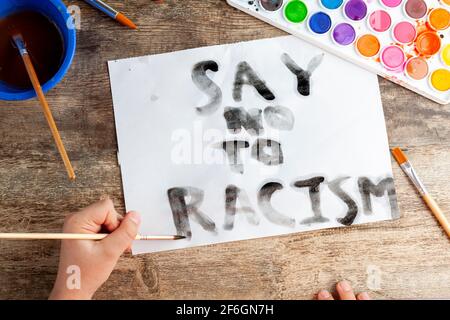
(186, 201)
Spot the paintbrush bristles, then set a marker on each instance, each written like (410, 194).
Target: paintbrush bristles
(18, 40)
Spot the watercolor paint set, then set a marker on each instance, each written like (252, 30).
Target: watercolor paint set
(405, 41)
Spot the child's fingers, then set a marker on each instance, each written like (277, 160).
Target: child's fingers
(345, 291)
(324, 295)
(363, 296)
(92, 218)
(118, 241)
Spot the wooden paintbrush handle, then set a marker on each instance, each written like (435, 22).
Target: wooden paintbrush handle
(437, 213)
(74, 236)
(51, 236)
(48, 115)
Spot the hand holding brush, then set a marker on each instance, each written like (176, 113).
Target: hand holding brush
(90, 263)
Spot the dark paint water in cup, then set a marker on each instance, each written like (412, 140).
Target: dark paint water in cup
(44, 44)
(47, 30)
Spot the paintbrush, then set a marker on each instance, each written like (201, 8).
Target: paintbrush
(76, 236)
(113, 13)
(20, 45)
(411, 173)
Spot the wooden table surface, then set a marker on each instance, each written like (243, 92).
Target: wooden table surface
(406, 258)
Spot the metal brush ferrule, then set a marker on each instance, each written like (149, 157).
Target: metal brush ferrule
(411, 173)
(20, 44)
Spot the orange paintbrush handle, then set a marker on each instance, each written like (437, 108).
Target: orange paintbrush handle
(437, 213)
(48, 115)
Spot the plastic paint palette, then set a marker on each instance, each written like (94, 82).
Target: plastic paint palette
(405, 41)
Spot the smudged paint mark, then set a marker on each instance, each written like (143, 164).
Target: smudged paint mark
(246, 75)
(314, 195)
(303, 76)
(335, 187)
(201, 80)
(232, 149)
(232, 194)
(367, 188)
(279, 117)
(250, 120)
(182, 210)
(154, 98)
(271, 157)
(264, 197)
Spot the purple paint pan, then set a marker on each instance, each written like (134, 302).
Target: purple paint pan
(355, 10)
(343, 34)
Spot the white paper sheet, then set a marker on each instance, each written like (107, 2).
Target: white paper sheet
(165, 143)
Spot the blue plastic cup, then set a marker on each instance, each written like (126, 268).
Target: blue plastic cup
(55, 11)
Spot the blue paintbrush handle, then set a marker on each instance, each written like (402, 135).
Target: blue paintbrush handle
(100, 5)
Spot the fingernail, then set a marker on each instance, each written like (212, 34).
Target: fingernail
(104, 197)
(324, 294)
(345, 286)
(364, 296)
(135, 217)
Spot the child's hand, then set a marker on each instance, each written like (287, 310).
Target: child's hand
(344, 292)
(95, 260)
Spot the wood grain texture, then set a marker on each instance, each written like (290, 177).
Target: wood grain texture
(411, 253)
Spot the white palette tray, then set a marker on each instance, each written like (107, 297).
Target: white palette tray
(349, 52)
